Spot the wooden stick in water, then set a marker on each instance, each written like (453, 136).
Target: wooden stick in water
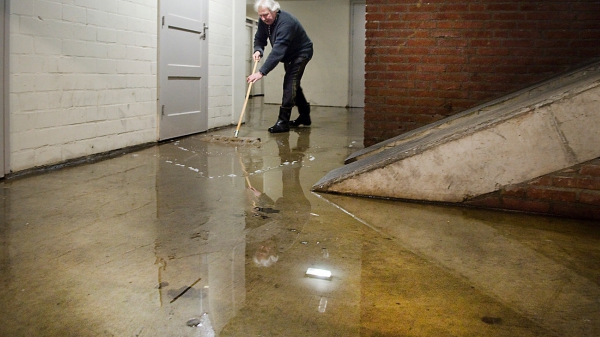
(185, 290)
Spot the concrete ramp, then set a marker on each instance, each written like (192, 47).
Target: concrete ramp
(544, 128)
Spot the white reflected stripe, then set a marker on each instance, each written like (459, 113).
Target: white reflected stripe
(319, 273)
(184, 113)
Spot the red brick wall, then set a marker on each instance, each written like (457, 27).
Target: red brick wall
(426, 60)
(574, 192)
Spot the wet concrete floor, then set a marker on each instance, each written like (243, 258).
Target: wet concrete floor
(191, 238)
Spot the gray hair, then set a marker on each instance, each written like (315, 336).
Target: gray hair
(271, 5)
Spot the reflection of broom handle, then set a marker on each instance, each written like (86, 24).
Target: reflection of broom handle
(237, 130)
(246, 176)
(245, 173)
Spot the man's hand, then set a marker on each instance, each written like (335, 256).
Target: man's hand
(256, 56)
(254, 191)
(254, 77)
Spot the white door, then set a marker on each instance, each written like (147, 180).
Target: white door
(182, 70)
(357, 66)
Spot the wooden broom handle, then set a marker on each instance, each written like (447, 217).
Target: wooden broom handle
(245, 101)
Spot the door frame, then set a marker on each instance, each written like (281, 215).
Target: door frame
(352, 52)
(4, 89)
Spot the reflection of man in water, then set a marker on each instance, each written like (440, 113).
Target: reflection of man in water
(275, 226)
(266, 254)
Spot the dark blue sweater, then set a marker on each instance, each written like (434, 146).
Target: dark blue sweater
(287, 37)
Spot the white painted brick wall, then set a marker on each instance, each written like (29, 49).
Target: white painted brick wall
(223, 95)
(82, 78)
(83, 75)
(220, 62)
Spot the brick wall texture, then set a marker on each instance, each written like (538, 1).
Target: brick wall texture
(573, 192)
(426, 60)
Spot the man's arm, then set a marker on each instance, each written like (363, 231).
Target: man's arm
(260, 39)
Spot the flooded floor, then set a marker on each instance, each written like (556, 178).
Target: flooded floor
(191, 238)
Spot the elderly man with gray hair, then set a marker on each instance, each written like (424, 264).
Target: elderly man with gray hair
(291, 46)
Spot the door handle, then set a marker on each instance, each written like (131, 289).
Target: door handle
(204, 28)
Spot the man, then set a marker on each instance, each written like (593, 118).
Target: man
(294, 49)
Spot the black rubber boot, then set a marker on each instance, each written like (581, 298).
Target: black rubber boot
(283, 121)
(304, 118)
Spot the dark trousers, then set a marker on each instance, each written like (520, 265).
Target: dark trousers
(292, 92)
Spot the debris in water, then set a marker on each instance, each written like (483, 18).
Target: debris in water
(185, 290)
(304, 242)
(194, 322)
(202, 235)
(203, 324)
(491, 320)
(267, 210)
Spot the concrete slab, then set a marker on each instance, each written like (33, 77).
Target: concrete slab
(543, 129)
(488, 109)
